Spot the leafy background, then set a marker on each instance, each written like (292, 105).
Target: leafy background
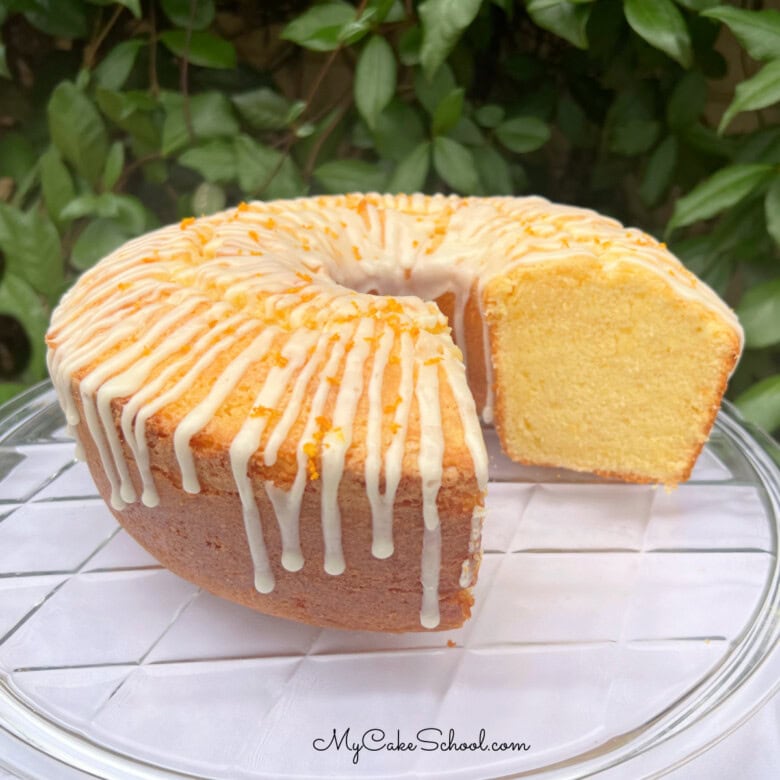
(116, 117)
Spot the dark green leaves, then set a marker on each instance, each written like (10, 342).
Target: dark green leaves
(443, 22)
(727, 187)
(761, 403)
(566, 19)
(374, 79)
(410, 174)
(113, 71)
(192, 14)
(758, 92)
(319, 28)
(32, 248)
(448, 112)
(757, 31)
(264, 171)
(200, 48)
(77, 130)
(56, 183)
(98, 239)
(523, 134)
(210, 114)
(759, 313)
(662, 25)
(214, 160)
(659, 172)
(350, 176)
(772, 210)
(264, 109)
(455, 164)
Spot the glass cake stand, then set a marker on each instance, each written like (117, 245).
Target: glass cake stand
(614, 625)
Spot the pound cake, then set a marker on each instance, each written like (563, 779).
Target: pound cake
(281, 401)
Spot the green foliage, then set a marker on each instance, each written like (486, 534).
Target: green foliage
(116, 117)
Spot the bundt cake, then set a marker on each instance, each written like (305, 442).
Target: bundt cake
(281, 401)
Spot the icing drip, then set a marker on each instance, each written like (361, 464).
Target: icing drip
(381, 510)
(430, 463)
(203, 413)
(338, 440)
(287, 504)
(247, 441)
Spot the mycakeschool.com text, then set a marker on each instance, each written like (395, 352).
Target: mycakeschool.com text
(425, 740)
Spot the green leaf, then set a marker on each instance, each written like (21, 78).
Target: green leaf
(115, 163)
(17, 156)
(130, 112)
(659, 172)
(523, 134)
(98, 239)
(759, 313)
(490, 116)
(127, 210)
(375, 76)
(214, 160)
(134, 6)
(467, 132)
(265, 109)
(409, 46)
(757, 31)
(31, 246)
(760, 91)
(772, 210)
(340, 176)
(493, 171)
(687, 101)
(193, 14)
(265, 171)
(662, 25)
(208, 198)
(117, 65)
(634, 136)
(430, 92)
(398, 131)
(56, 183)
(761, 403)
(60, 18)
(20, 301)
(374, 13)
(565, 19)
(77, 130)
(4, 72)
(410, 174)
(202, 48)
(319, 28)
(697, 5)
(724, 189)
(455, 164)
(211, 116)
(448, 112)
(443, 22)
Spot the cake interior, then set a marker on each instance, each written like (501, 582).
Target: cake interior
(604, 369)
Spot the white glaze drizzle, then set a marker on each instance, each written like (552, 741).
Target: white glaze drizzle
(381, 509)
(200, 416)
(337, 442)
(430, 461)
(246, 442)
(147, 323)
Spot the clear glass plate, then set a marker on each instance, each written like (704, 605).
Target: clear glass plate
(614, 625)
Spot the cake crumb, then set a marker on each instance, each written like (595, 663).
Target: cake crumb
(451, 643)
